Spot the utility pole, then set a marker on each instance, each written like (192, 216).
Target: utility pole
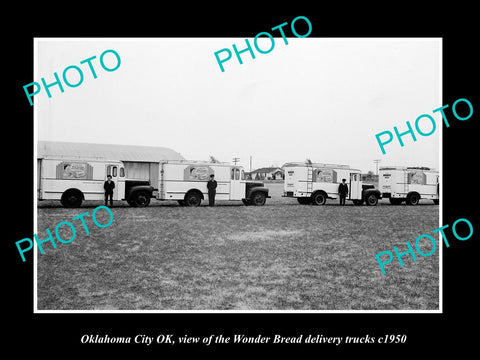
(376, 161)
(235, 160)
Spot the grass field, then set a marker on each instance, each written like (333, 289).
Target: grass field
(282, 256)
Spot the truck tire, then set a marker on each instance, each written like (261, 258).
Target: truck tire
(413, 199)
(140, 199)
(193, 199)
(395, 201)
(371, 200)
(72, 198)
(319, 198)
(258, 199)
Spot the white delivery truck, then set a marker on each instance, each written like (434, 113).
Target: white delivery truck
(73, 180)
(186, 182)
(409, 184)
(314, 183)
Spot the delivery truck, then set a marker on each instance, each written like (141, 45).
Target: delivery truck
(314, 183)
(186, 182)
(409, 184)
(74, 180)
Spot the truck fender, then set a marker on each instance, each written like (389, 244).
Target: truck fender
(147, 188)
(367, 192)
(255, 189)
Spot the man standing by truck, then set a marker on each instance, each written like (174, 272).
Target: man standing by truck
(108, 186)
(343, 191)
(211, 186)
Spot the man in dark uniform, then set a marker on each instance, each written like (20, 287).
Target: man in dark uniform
(343, 191)
(108, 186)
(211, 186)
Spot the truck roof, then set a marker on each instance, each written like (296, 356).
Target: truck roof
(78, 159)
(319, 165)
(199, 162)
(425, 168)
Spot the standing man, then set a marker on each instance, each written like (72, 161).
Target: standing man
(211, 186)
(108, 186)
(343, 191)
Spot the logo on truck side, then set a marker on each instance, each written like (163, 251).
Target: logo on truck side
(197, 173)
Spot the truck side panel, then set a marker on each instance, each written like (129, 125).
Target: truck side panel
(176, 190)
(295, 183)
(395, 183)
(177, 179)
(330, 188)
(53, 189)
(51, 185)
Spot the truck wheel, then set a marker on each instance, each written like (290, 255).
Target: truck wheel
(395, 201)
(357, 202)
(140, 199)
(192, 199)
(436, 202)
(258, 199)
(413, 199)
(319, 198)
(71, 198)
(371, 200)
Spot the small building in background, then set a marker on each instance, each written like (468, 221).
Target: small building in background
(141, 162)
(267, 173)
(370, 177)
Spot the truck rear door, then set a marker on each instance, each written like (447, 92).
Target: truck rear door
(385, 183)
(289, 182)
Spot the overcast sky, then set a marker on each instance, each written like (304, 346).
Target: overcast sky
(323, 99)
